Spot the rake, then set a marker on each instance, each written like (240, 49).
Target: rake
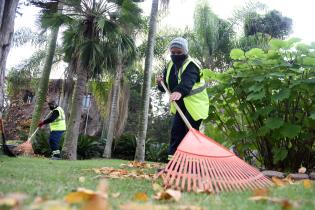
(202, 165)
(26, 148)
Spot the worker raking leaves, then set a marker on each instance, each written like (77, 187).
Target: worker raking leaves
(57, 123)
(184, 79)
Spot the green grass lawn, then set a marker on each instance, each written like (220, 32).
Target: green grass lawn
(55, 179)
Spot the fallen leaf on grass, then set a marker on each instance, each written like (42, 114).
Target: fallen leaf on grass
(97, 202)
(12, 200)
(285, 203)
(288, 180)
(307, 183)
(277, 181)
(141, 196)
(52, 205)
(115, 195)
(81, 179)
(79, 196)
(169, 194)
(91, 200)
(121, 173)
(137, 206)
(302, 170)
(261, 192)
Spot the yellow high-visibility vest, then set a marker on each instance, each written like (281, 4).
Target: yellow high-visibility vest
(197, 101)
(59, 124)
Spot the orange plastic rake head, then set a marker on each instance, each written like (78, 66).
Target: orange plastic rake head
(201, 164)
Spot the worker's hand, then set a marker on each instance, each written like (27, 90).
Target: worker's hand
(40, 124)
(175, 96)
(158, 79)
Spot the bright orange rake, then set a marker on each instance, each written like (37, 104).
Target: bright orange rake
(201, 164)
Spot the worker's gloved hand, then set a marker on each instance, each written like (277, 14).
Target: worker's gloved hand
(175, 96)
(40, 124)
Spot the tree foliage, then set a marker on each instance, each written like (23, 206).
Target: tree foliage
(265, 102)
(272, 23)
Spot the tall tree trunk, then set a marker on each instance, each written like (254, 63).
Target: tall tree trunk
(69, 150)
(44, 80)
(143, 124)
(67, 88)
(7, 17)
(113, 111)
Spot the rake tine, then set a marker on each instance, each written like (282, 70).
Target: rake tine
(223, 175)
(208, 185)
(185, 174)
(242, 178)
(199, 174)
(181, 177)
(232, 176)
(213, 177)
(175, 169)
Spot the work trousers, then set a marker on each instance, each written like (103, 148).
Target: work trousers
(54, 140)
(179, 129)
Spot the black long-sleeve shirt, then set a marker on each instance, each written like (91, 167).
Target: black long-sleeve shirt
(189, 77)
(52, 117)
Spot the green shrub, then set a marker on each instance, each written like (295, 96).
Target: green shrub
(88, 146)
(125, 147)
(266, 103)
(156, 151)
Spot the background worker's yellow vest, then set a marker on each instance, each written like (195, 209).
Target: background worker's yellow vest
(197, 101)
(59, 124)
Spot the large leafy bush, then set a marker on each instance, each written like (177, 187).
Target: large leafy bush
(264, 104)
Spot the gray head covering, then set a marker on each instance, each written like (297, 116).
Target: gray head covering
(181, 43)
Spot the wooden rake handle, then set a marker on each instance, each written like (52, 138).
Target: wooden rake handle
(177, 107)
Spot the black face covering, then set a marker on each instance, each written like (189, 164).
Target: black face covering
(51, 106)
(178, 60)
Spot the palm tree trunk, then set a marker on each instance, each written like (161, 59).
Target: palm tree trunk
(7, 17)
(67, 88)
(143, 124)
(44, 80)
(69, 150)
(113, 111)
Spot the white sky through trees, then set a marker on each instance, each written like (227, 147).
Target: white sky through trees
(180, 15)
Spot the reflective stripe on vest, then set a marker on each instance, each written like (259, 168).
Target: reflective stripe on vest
(197, 101)
(59, 124)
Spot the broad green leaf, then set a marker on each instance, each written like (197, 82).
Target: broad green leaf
(312, 116)
(277, 74)
(255, 96)
(309, 61)
(290, 130)
(259, 78)
(279, 154)
(237, 54)
(283, 94)
(278, 44)
(272, 54)
(211, 75)
(255, 88)
(255, 53)
(274, 123)
(304, 48)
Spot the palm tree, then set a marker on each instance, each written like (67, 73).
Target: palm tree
(125, 53)
(211, 43)
(44, 79)
(92, 24)
(7, 16)
(143, 124)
